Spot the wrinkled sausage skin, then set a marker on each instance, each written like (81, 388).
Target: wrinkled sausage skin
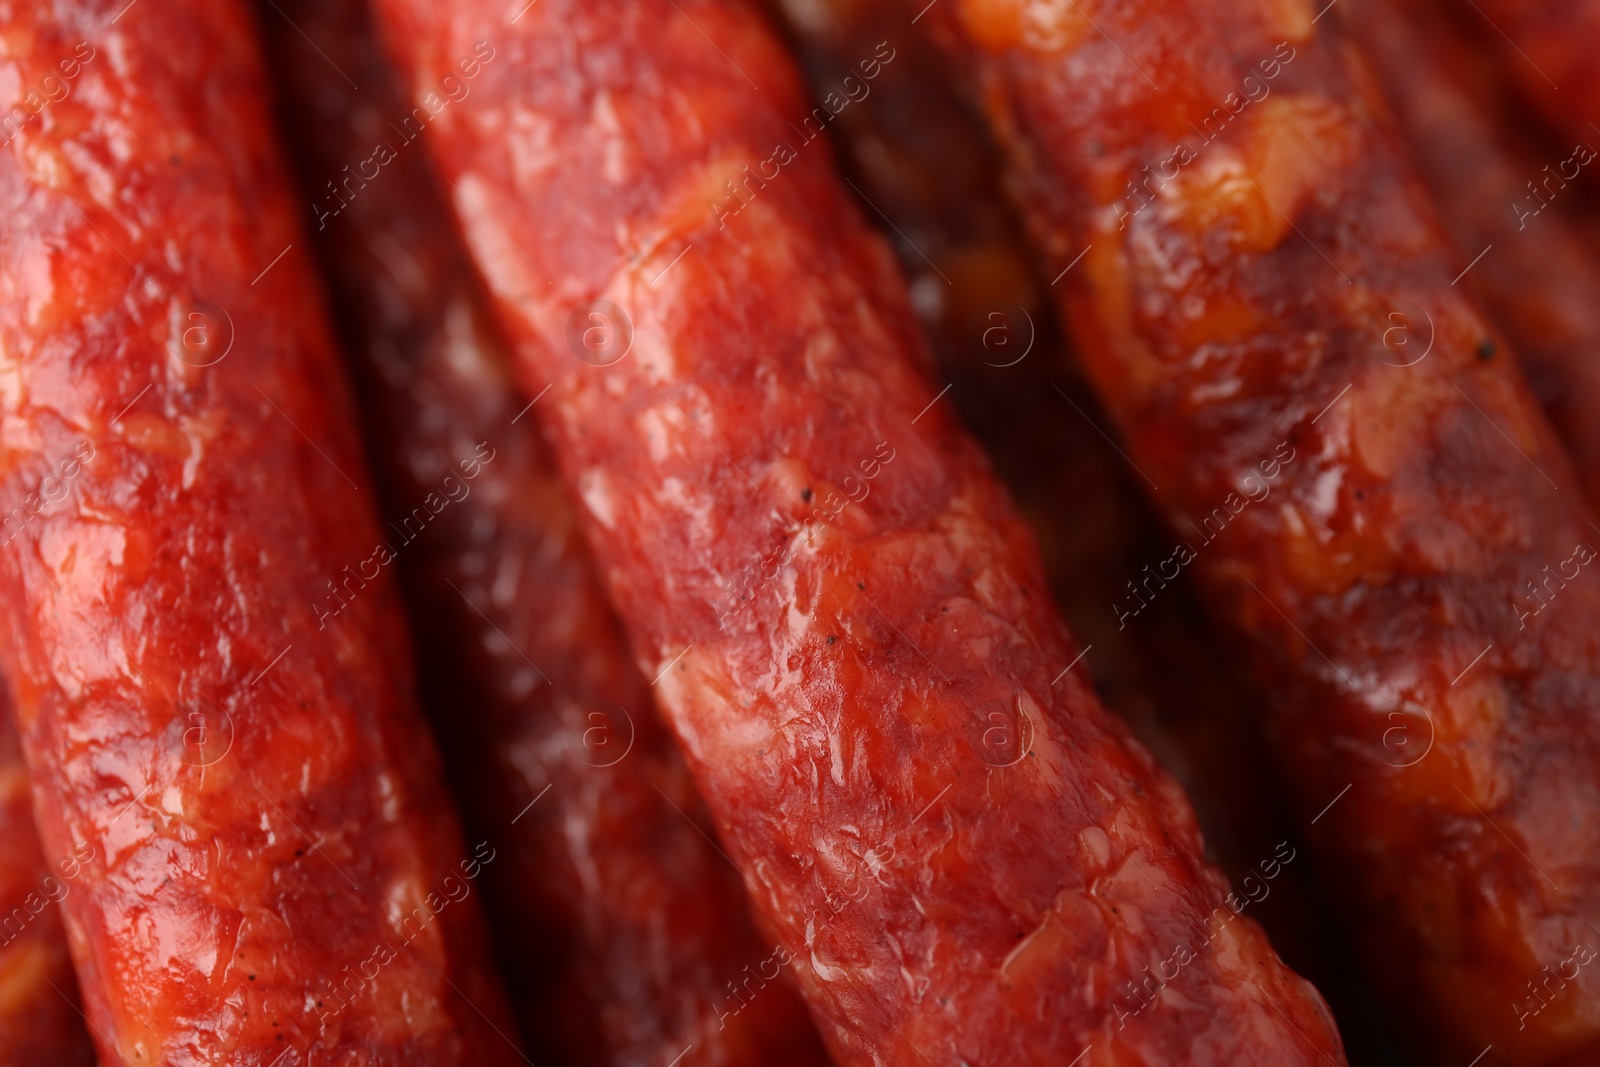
(920, 154)
(619, 924)
(961, 854)
(1504, 193)
(1434, 694)
(274, 874)
(39, 1020)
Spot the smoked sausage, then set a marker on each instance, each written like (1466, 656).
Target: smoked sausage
(208, 656)
(1379, 509)
(961, 855)
(623, 932)
(1507, 200)
(40, 1021)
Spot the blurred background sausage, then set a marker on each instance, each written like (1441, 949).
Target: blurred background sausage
(620, 927)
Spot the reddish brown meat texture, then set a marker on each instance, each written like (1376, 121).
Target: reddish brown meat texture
(39, 1013)
(1414, 583)
(920, 155)
(621, 927)
(1504, 193)
(272, 872)
(962, 855)
(1547, 48)
(923, 159)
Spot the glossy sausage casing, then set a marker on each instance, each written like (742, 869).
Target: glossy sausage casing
(1382, 511)
(1507, 198)
(274, 874)
(920, 154)
(960, 854)
(39, 1013)
(619, 924)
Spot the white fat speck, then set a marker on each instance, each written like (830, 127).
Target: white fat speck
(659, 360)
(399, 898)
(802, 546)
(191, 462)
(34, 287)
(685, 497)
(927, 296)
(510, 275)
(506, 580)
(736, 733)
(609, 127)
(524, 682)
(390, 795)
(10, 377)
(204, 956)
(596, 496)
(1097, 845)
(465, 345)
(531, 142)
(696, 420)
(824, 972)
(653, 424)
(1325, 492)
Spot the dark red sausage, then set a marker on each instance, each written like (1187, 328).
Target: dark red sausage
(920, 155)
(963, 856)
(1548, 47)
(1505, 196)
(1379, 523)
(621, 926)
(40, 1021)
(273, 875)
